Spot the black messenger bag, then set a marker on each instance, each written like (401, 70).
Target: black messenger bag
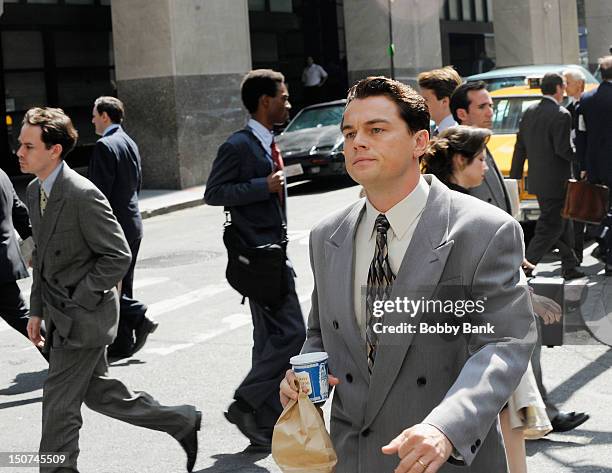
(256, 272)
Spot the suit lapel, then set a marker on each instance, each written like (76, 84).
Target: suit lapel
(418, 276)
(52, 211)
(340, 256)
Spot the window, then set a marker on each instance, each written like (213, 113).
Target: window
(284, 6)
(480, 10)
(507, 113)
(317, 117)
(453, 9)
(257, 5)
(466, 6)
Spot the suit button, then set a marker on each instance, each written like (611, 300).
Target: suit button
(335, 324)
(349, 377)
(421, 381)
(478, 442)
(365, 433)
(57, 252)
(55, 281)
(489, 200)
(473, 448)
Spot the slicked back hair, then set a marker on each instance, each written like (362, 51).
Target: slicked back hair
(460, 98)
(412, 107)
(442, 82)
(56, 127)
(112, 106)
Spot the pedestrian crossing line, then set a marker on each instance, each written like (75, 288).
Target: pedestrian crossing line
(170, 305)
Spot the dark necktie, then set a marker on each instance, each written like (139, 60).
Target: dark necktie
(277, 159)
(380, 281)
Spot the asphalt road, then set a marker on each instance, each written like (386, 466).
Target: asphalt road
(202, 349)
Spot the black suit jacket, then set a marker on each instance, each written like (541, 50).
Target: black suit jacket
(594, 138)
(544, 139)
(115, 169)
(238, 182)
(13, 215)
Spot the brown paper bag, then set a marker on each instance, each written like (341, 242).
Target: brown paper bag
(300, 442)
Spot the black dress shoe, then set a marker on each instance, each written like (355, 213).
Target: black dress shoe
(190, 442)
(255, 449)
(247, 424)
(565, 421)
(572, 273)
(146, 328)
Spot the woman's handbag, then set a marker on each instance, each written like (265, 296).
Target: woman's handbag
(585, 202)
(256, 272)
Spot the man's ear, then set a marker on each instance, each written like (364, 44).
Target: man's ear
(462, 115)
(56, 151)
(421, 139)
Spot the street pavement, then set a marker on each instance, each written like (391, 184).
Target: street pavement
(202, 348)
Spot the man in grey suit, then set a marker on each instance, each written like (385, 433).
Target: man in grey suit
(80, 256)
(472, 105)
(431, 401)
(544, 139)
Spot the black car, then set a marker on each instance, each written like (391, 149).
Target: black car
(312, 143)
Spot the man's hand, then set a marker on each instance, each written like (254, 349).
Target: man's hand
(34, 331)
(287, 387)
(547, 309)
(276, 181)
(422, 449)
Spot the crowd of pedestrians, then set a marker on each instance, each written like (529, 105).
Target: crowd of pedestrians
(434, 200)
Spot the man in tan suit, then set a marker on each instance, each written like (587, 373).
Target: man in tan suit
(80, 256)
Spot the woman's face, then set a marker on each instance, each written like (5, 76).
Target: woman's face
(472, 174)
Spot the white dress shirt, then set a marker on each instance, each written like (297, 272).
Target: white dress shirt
(263, 135)
(446, 122)
(313, 75)
(47, 184)
(403, 217)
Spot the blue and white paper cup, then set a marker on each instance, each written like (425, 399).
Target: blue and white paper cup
(311, 371)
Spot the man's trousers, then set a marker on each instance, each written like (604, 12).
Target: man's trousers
(77, 376)
(13, 308)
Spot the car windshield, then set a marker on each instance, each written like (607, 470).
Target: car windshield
(317, 117)
(502, 82)
(507, 112)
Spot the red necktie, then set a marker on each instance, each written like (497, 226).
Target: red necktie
(277, 159)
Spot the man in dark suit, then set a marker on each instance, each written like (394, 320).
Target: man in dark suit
(471, 105)
(13, 215)
(247, 179)
(80, 256)
(544, 139)
(115, 169)
(575, 80)
(594, 145)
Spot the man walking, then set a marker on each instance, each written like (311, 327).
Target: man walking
(13, 215)
(429, 401)
(116, 170)
(471, 105)
(437, 87)
(80, 256)
(544, 139)
(594, 146)
(247, 179)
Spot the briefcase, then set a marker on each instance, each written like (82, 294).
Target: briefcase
(256, 272)
(585, 202)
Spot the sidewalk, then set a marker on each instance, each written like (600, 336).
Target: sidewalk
(154, 202)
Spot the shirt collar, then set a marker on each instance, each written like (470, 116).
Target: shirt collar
(110, 128)
(446, 122)
(264, 135)
(402, 215)
(47, 184)
(550, 97)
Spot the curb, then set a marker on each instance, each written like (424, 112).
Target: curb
(171, 208)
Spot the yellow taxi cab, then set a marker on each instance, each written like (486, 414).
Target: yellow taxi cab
(509, 104)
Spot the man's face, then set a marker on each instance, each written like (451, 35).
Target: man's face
(480, 110)
(99, 121)
(379, 149)
(34, 157)
(438, 109)
(279, 106)
(574, 87)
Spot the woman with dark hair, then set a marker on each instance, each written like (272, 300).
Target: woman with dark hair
(457, 157)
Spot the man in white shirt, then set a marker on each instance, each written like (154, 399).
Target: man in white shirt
(313, 78)
(437, 87)
(429, 401)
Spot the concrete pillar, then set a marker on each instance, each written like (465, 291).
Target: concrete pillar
(178, 68)
(598, 16)
(416, 35)
(535, 32)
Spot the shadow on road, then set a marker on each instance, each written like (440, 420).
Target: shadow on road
(26, 383)
(548, 447)
(232, 462)
(23, 402)
(321, 186)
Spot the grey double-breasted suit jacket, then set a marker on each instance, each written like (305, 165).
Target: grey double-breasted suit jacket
(80, 256)
(458, 384)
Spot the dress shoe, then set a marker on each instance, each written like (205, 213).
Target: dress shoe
(190, 442)
(608, 270)
(146, 328)
(565, 421)
(256, 449)
(247, 424)
(572, 273)
(114, 356)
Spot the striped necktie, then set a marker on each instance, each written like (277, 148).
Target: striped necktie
(380, 282)
(43, 201)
